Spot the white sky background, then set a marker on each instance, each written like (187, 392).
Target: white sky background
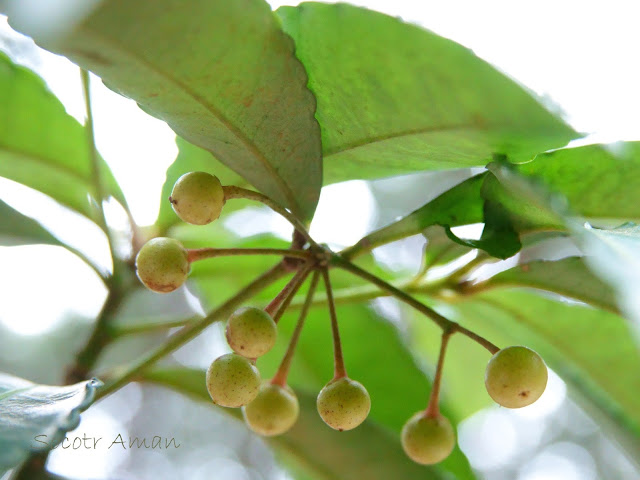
(582, 55)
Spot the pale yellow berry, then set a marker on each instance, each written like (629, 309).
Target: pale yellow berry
(428, 439)
(273, 411)
(516, 377)
(162, 265)
(197, 198)
(232, 380)
(343, 404)
(251, 332)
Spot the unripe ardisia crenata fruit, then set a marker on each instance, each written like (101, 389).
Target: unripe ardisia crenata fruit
(162, 264)
(197, 198)
(273, 411)
(251, 332)
(232, 380)
(343, 404)
(516, 377)
(428, 439)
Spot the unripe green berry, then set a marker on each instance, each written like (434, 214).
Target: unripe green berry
(273, 411)
(343, 404)
(232, 380)
(197, 198)
(162, 264)
(516, 377)
(251, 332)
(428, 439)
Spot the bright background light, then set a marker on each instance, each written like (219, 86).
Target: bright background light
(578, 56)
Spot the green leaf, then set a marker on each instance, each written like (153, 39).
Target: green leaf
(18, 229)
(592, 350)
(439, 249)
(43, 147)
(405, 99)
(369, 451)
(193, 159)
(599, 181)
(460, 205)
(499, 238)
(221, 74)
(28, 410)
(569, 277)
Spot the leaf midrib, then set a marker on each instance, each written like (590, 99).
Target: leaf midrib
(237, 133)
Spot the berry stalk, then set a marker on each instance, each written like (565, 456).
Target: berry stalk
(339, 368)
(280, 378)
(231, 191)
(441, 321)
(433, 408)
(195, 254)
(279, 304)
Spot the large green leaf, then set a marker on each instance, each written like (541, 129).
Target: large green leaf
(34, 418)
(592, 350)
(370, 451)
(221, 74)
(193, 159)
(601, 181)
(18, 229)
(569, 277)
(43, 147)
(394, 98)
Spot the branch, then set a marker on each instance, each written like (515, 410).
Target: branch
(127, 373)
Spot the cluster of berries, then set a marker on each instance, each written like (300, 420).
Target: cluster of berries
(515, 376)
(271, 407)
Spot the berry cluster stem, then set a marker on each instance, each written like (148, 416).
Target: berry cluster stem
(433, 409)
(196, 254)
(339, 368)
(280, 378)
(231, 191)
(441, 321)
(279, 304)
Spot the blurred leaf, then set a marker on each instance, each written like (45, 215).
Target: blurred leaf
(220, 73)
(194, 159)
(569, 277)
(600, 181)
(18, 229)
(28, 410)
(592, 350)
(369, 451)
(405, 99)
(614, 255)
(43, 147)
(142, 309)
